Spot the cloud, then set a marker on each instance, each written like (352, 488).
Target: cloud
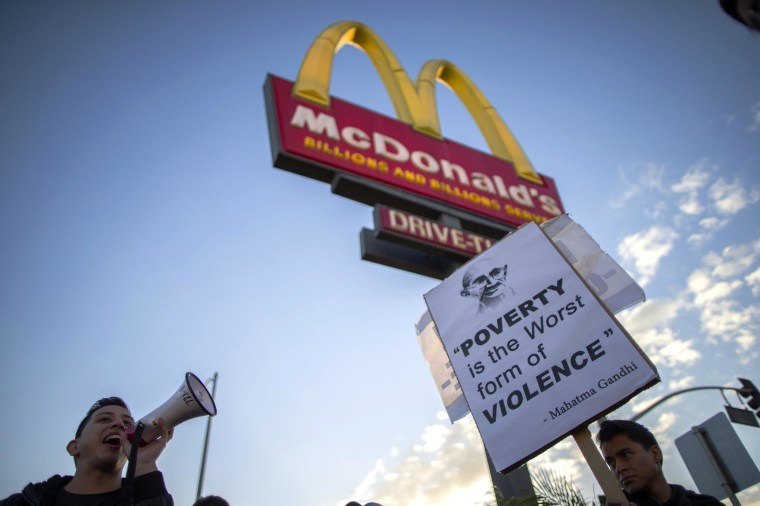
(691, 183)
(648, 176)
(753, 281)
(707, 291)
(712, 223)
(730, 198)
(660, 430)
(696, 178)
(691, 205)
(717, 290)
(754, 125)
(553, 461)
(734, 260)
(679, 384)
(646, 249)
(654, 313)
(447, 468)
(708, 226)
(663, 347)
(649, 325)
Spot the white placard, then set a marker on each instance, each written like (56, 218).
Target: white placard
(536, 354)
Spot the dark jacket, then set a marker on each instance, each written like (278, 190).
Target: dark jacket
(149, 490)
(679, 497)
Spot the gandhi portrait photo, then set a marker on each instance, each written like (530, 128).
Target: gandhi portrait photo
(485, 281)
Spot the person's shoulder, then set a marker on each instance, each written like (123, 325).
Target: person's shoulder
(42, 489)
(691, 498)
(696, 499)
(13, 500)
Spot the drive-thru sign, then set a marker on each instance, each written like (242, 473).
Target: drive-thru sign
(536, 353)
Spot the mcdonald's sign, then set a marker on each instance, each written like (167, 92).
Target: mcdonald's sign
(404, 162)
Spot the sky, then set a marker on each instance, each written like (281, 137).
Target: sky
(145, 232)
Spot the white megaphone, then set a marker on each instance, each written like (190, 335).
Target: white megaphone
(190, 401)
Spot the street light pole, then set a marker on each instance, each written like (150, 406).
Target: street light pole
(679, 392)
(205, 441)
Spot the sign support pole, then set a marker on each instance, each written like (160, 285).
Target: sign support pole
(602, 473)
(725, 481)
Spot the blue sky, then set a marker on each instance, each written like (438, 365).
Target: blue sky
(145, 232)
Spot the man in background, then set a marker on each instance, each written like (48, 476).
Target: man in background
(635, 458)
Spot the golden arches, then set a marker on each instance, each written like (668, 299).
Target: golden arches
(415, 103)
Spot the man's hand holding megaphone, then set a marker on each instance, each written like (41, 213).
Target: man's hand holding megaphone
(149, 452)
(191, 400)
(155, 429)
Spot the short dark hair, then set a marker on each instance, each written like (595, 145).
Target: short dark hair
(635, 432)
(100, 403)
(748, 15)
(211, 500)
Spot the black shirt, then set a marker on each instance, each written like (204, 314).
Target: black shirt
(679, 496)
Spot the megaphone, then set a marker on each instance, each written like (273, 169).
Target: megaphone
(190, 401)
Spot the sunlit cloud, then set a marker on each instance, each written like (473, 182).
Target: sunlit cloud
(664, 348)
(651, 314)
(649, 325)
(754, 125)
(699, 238)
(715, 290)
(734, 260)
(753, 281)
(696, 178)
(564, 459)
(732, 197)
(646, 249)
(712, 223)
(681, 383)
(708, 226)
(553, 461)
(691, 204)
(641, 404)
(447, 467)
(660, 430)
(707, 291)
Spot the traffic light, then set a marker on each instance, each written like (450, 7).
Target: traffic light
(749, 391)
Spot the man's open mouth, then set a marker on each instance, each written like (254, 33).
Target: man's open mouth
(112, 440)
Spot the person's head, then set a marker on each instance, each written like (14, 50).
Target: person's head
(485, 281)
(632, 453)
(745, 12)
(211, 500)
(96, 440)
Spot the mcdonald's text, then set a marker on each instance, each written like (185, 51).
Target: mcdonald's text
(350, 139)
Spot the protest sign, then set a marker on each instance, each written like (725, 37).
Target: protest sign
(614, 287)
(537, 355)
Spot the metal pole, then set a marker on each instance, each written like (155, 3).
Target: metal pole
(205, 441)
(717, 467)
(679, 392)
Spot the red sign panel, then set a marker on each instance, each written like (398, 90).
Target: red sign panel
(357, 141)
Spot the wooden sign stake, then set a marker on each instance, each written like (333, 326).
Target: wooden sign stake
(602, 473)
